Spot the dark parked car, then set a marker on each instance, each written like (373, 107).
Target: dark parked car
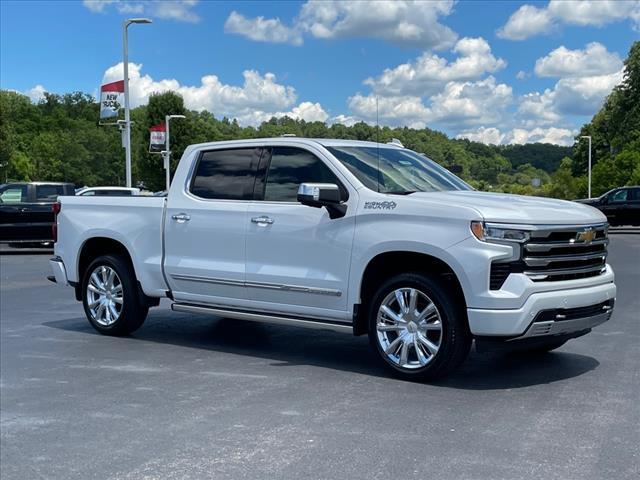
(26, 215)
(620, 205)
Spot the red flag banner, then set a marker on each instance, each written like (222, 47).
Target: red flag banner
(157, 138)
(111, 99)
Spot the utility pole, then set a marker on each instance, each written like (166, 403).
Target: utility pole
(589, 137)
(127, 117)
(166, 155)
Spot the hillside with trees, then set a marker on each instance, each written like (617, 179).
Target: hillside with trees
(58, 139)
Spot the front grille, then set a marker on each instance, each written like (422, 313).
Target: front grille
(557, 254)
(565, 253)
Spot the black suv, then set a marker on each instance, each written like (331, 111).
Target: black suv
(26, 215)
(620, 205)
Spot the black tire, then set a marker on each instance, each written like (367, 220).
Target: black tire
(455, 338)
(133, 312)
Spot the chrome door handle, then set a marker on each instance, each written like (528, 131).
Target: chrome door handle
(181, 217)
(262, 219)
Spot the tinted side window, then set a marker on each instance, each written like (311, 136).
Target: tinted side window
(635, 194)
(289, 168)
(48, 193)
(113, 193)
(619, 196)
(226, 174)
(14, 194)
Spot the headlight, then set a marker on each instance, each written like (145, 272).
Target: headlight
(487, 232)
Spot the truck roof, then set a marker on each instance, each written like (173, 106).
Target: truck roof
(325, 142)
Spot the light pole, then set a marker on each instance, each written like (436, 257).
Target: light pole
(127, 118)
(166, 155)
(589, 137)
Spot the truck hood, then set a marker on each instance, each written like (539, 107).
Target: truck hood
(519, 209)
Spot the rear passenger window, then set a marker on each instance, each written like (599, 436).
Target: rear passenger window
(226, 174)
(289, 168)
(48, 193)
(14, 194)
(635, 194)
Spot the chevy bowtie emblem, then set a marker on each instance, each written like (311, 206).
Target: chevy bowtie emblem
(587, 236)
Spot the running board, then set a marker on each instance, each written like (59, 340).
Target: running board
(263, 317)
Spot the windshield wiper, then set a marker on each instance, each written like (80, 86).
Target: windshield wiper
(402, 192)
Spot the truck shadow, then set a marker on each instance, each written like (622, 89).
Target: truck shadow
(293, 346)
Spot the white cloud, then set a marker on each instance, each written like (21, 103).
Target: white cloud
(587, 76)
(557, 136)
(258, 99)
(308, 111)
(180, 10)
(521, 75)
(458, 104)
(594, 12)
(97, 6)
(489, 136)
(260, 29)
(538, 108)
(429, 72)
(526, 22)
(471, 103)
(593, 60)
(529, 20)
(348, 120)
(36, 93)
(403, 22)
(584, 96)
(395, 111)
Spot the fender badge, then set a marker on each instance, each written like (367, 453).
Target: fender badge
(380, 205)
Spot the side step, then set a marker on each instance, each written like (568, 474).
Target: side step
(264, 317)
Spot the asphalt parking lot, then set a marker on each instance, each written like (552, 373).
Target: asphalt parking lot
(197, 397)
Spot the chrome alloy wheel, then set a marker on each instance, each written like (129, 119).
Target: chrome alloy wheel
(104, 295)
(409, 328)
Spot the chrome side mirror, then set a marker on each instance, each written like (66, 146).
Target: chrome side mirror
(320, 195)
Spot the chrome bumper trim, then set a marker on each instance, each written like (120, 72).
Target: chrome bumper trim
(562, 327)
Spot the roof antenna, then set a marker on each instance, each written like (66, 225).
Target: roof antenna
(378, 142)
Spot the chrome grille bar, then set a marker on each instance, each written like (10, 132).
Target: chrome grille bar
(544, 261)
(545, 247)
(565, 252)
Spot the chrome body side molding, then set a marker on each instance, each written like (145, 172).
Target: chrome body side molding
(270, 286)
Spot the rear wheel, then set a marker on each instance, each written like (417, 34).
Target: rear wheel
(110, 296)
(418, 328)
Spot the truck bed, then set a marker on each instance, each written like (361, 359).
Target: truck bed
(135, 222)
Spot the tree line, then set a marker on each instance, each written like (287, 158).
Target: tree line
(59, 139)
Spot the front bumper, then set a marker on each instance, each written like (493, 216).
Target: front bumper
(59, 271)
(521, 322)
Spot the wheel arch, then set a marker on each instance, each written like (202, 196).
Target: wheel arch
(389, 263)
(98, 246)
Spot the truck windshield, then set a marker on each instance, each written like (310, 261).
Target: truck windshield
(400, 171)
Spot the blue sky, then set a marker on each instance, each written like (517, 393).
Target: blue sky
(498, 72)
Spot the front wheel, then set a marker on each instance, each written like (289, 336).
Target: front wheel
(418, 327)
(111, 298)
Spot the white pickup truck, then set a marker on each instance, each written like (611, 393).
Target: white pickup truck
(343, 235)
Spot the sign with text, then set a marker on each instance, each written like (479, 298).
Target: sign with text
(157, 138)
(111, 99)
